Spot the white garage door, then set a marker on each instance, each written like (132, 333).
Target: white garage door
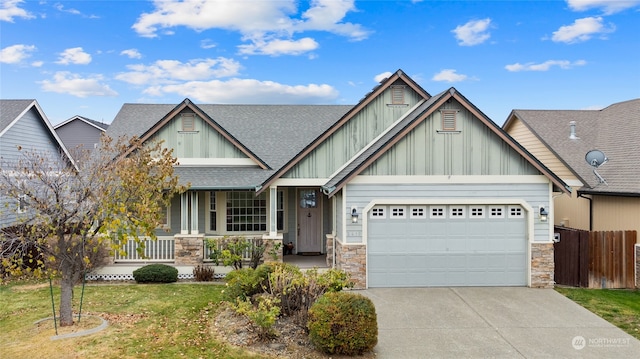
(446, 245)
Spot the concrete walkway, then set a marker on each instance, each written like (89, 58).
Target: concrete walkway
(491, 323)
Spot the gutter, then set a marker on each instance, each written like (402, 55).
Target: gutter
(581, 195)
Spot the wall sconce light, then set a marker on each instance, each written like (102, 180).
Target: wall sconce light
(354, 215)
(544, 214)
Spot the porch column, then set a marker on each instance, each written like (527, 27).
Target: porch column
(273, 211)
(194, 212)
(184, 213)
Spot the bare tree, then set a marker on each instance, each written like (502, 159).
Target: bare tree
(71, 215)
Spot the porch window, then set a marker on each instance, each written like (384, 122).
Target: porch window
(246, 212)
(22, 203)
(213, 216)
(280, 213)
(165, 216)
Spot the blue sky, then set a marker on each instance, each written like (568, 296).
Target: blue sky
(88, 58)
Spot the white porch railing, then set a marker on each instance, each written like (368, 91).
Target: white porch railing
(246, 255)
(160, 250)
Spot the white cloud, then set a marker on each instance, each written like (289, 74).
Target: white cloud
(581, 30)
(207, 44)
(72, 11)
(9, 9)
(383, 76)
(449, 75)
(72, 84)
(75, 56)
(248, 91)
(608, 6)
(473, 32)
(15, 54)
(544, 66)
(279, 47)
(172, 71)
(269, 26)
(131, 53)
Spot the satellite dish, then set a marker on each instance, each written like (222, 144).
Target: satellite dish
(595, 158)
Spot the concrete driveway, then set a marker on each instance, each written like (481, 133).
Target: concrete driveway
(491, 323)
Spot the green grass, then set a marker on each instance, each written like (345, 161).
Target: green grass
(145, 321)
(619, 307)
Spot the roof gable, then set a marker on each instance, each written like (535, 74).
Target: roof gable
(95, 124)
(614, 130)
(402, 128)
(398, 78)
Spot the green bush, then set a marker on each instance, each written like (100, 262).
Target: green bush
(263, 311)
(156, 273)
(244, 283)
(343, 323)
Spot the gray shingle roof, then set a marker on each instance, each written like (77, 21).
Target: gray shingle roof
(10, 110)
(274, 133)
(615, 130)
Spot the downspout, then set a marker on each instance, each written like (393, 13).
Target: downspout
(580, 195)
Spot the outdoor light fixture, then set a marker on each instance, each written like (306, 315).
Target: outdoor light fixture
(543, 214)
(354, 215)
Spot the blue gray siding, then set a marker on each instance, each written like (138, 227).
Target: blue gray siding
(77, 134)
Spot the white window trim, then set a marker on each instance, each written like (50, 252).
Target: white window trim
(417, 216)
(443, 211)
(372, 214)
(455, 207)
(401, 209)
(167, 224)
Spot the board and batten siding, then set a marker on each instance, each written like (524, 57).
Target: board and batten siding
(471, 150)
(535, 194)
(353, 136)
(521, 133)
(203, 142)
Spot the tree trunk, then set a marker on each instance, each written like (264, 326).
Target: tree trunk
(66, 298)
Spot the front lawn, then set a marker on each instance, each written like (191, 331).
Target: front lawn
(145, 321)
(618, 306)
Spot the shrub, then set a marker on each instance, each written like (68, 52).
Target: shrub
(343, 323)
(263, 311)
(156, 273)
(230, 251)
(244, 283)
(203, 273)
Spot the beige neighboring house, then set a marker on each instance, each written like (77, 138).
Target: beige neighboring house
(561, 139)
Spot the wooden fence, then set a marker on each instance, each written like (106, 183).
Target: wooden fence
(595, 259)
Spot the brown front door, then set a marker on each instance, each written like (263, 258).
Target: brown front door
(309, 221)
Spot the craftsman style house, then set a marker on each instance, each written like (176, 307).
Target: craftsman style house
(402, 189)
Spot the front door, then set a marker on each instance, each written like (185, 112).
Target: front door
(309, 221)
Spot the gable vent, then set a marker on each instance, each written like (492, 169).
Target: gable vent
(188, 122)
(449, 120)
(397, 95)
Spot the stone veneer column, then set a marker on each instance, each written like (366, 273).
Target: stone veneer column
(542, 265)
(330, 240)
(352, 259)
(189, 249)
(270, 242)
(637, 265)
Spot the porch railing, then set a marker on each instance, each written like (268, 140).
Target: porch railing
(160, 250)
(246, 255)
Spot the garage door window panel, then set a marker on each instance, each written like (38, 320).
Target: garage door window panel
(378, 213)
(457, 212)
(437, 212)
(397, 213)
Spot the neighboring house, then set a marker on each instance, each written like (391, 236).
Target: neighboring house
(402, 189)
(562, 138)
(24, 127)
(81, 132)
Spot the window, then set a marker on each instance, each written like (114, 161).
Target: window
(188, 122)
(165, 217)
(457, 212)
(378, 212)
(418, 212)
(437, 212)
(22, 203)
(398, 212)
(515, 212)
(213, 214)
(397, 95)
(280, 211)
(449, 120)
(496, 212)
(246, 212)
(476, 212)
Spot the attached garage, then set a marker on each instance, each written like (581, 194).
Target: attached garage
(446, 245)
